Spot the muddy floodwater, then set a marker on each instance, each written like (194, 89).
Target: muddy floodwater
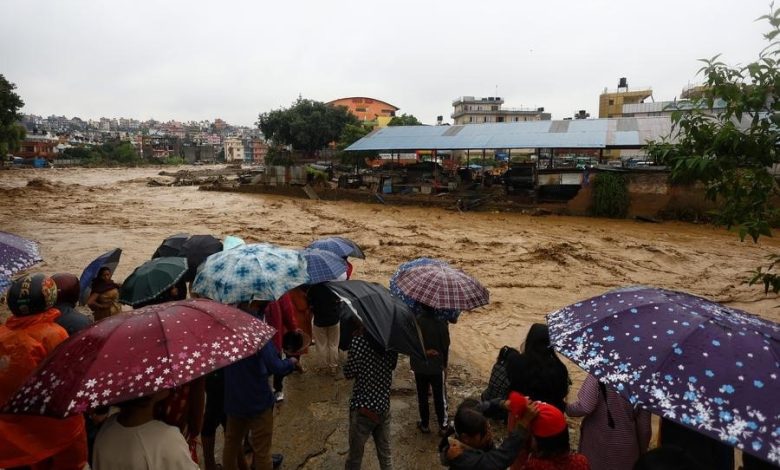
(531, 265)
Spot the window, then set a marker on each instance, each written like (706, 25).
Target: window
(471, 119)
(500, 119)
(611, 102)
(360, 110)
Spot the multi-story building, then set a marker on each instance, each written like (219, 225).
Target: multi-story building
(259, 150)
(234, 149)
(369, 110)
(611, 102)
(476, 110)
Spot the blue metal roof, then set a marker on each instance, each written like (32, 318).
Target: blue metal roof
(585, 133)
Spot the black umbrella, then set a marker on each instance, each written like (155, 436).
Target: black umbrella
(196, 249)
(386, 319)
(171, 246)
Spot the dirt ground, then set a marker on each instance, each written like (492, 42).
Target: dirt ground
(531, 265)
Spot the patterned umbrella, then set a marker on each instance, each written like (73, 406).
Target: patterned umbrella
(323, 266)
(446, 314)
(341, 246)
(250, 272)
(441, 286)
(109, 259)
(151, 279)
(711, 368)
(171, 246)
(16, 254)
(137, 353)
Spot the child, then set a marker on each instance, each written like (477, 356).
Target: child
(472, 447)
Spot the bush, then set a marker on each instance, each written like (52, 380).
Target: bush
(610, 196)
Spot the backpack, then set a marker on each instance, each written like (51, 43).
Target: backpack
(498, 384)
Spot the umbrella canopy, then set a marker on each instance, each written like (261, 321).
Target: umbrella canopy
(447, 314)
(137, 353)
(196, 249)
(109, 259)
(171, 246)
(151, 279)
(386, 318)
(341, 246)
(16, 254)
(441, 286)
(711, 368)
(250, 272)
(323, 266)
(231, 241)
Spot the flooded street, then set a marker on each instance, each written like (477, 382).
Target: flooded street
(531, 265)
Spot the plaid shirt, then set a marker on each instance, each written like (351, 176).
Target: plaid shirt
(373, 374)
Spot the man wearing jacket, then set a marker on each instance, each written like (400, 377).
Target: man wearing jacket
(430, 374)
(249, 401)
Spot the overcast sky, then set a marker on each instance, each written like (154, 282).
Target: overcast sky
(194, 60)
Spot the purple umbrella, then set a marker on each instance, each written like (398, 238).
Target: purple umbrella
(16, 254)
(709, 367)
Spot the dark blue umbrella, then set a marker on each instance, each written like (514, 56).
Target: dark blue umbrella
(341, 246)
(323, 266)
(444, 314)
(709, 367)
(109, 259)
(196, 249)
(16, 254)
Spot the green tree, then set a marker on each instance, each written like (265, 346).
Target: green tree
(351, 134)
(404, 120)
(733, 152)
(11, 132)
(307, 126)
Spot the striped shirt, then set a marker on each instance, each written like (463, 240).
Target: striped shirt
(609, 448)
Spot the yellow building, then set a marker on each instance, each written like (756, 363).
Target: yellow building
(611, 102)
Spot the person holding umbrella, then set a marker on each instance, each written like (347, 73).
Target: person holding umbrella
(133, 440)
(28, 336)
(249, 401)
(429, 373)
(104, 297)
(369, 407)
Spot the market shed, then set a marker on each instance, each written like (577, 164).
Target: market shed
(618, 133)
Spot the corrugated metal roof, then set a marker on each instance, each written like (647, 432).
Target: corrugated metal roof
(585, 133)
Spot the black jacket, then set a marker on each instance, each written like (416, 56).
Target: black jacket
(436, 335)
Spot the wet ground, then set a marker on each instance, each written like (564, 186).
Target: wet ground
(532, 265)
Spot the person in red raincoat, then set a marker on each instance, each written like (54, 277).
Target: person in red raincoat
(25, 340)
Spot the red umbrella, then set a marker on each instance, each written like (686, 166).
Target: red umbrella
(137, 353)
(441, 286)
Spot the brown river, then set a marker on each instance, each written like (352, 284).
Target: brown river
(531, 265)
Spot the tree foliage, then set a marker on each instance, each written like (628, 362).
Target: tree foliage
(351, 134)
(610, 196)
(307, 126)
(404, 120)
(112, 153)
(11, 132)
(733, 152)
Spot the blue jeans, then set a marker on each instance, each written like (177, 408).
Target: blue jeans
(361, 428)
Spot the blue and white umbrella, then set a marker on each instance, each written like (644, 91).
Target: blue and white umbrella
(339, 245)
(16, 254)
(323, 266)
(706, 366)
(250, 272)
(109, 259)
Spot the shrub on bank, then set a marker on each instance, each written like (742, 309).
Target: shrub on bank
(610, 196)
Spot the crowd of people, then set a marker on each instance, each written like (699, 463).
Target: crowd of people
(529, 393)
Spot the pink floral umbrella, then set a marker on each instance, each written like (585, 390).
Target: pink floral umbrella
(137, 353)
